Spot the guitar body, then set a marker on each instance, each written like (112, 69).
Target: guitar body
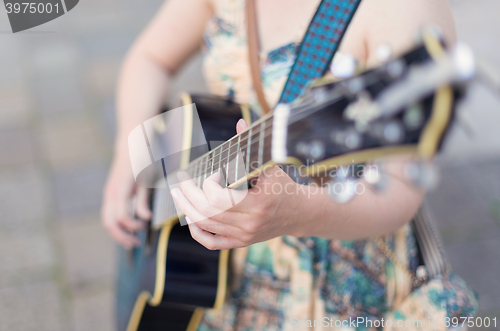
(162, 282)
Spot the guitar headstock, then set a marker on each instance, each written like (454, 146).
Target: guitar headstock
(404, 106)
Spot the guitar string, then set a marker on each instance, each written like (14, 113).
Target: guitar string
(208, 157)
(234, 137)
(204, 160)
(225, 160)
(235, 152)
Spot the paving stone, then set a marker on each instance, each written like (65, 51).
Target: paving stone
(15, 104)
(479, 264)
(34, 307)
(69, 143)
(105, 43)
(21, 252)
(94, 312)
(466, 194)
(16, 147)
(452, 205)
(29, 275)
(89, 254)
(60, 96)
(100, 77)
(78, 190)
(55, 57)
(24, 201)
(11, 57)
(469, 233)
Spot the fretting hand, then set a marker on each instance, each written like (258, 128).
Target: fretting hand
(258, 214)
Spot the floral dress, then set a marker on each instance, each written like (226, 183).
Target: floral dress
(309, 283)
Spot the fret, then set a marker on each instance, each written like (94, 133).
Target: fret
(261, 142)
(237, 158)
(220, 158)
(226, 163)
(200, 170)
(194, 175)
(207, 158)
(249, 140)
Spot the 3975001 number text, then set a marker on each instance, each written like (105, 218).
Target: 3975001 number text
(31, 8)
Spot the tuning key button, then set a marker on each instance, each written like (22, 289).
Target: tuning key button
(355, 85)
(373, 175)
(393, 132)
(395, 68)
(414, 117)
(384, 53)
(350, 139)
(341, 190)
(320, 95)
(343, 66)
(302, 148)
(317, 149)
(421, 174)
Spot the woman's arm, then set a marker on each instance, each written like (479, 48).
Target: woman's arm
(169, 40)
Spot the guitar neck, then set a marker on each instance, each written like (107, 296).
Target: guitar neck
(236, 158)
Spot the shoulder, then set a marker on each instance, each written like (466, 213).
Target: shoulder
(397, 23)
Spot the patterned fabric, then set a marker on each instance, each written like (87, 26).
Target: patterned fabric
(290, 283)
(286, 283)
(225, 63)
(322, 39)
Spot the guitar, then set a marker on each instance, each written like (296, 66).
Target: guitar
(405, 106)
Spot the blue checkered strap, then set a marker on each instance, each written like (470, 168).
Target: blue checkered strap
(319, 45)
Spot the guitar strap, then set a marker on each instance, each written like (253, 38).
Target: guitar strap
(429, 242)
(316, 51)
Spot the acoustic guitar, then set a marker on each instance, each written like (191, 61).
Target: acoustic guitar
(405, 106)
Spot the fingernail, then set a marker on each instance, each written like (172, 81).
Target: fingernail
(241, 123)
(175, 193)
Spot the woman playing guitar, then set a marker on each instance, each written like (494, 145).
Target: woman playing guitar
(291, 252)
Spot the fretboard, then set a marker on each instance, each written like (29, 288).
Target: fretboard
(236, 158)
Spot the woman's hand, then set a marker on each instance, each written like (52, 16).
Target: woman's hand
(221, 218)
(116, 210)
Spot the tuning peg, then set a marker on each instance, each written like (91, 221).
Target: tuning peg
(383, 53)
(344, 66)
(373, 175)
(421, 174)
(341, 190)
(350, 139)
(432, 30)
(413, 117)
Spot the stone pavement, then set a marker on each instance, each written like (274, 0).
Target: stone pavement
(56, 128)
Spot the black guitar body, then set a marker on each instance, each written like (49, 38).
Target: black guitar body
(192, 272)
